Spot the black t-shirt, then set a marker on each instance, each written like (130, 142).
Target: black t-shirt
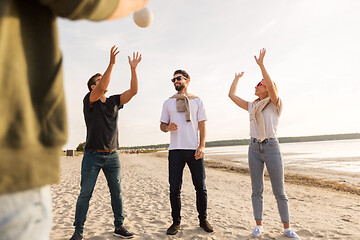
(101, 123)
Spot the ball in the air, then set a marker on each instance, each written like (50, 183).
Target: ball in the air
(143, 18)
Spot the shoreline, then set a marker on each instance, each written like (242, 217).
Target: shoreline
(292, 174)
(291, 178)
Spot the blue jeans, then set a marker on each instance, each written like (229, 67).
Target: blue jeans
(26, 215)
(177, 161)
(92, 163)
(267, 152)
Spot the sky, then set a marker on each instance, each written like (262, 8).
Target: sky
(313, 56)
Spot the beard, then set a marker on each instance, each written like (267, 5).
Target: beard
(179, 87)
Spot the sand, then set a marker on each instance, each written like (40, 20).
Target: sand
(316, 213)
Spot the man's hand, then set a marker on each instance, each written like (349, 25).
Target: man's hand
(135, 60)
(200, 152)
(168, 127)
(126, 7)
(172, 127)
(114, 51)
(260, 60)
(126, 96)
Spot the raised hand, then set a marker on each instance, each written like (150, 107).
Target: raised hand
(113, 52)
(232, 92)
(260, 60)
(238, 75)
(135, 60)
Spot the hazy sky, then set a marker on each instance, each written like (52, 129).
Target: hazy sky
(313, 55)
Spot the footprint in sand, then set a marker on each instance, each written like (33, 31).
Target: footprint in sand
(304, 233)
(97, 238)
(158, 222)
(343, 233)
(349, 218)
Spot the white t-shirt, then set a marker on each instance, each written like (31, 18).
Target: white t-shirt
(186, 136)
(271, 115)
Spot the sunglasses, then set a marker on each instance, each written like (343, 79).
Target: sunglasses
(260, 83)
(178, 78)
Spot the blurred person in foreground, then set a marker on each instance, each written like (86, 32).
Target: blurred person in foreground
(32, 110)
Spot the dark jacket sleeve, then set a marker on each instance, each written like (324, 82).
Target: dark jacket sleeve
(94, 10)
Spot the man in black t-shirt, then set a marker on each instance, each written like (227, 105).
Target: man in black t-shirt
(101, 116)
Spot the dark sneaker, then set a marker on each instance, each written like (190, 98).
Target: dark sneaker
(123, 233)
(206, 226)
(76, 236)
(173, 229)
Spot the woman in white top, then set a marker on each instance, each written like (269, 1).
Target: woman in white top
(264, 147)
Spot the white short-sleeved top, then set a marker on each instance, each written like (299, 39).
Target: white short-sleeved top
(186, 136)
(271, 115)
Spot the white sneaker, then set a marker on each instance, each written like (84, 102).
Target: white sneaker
(291, 233)
(258, 230)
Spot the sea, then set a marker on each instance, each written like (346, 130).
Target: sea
(337, 156)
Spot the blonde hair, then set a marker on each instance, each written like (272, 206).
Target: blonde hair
(276, 90)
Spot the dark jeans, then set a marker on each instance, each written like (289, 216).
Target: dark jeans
(177, 160)
(92, 163)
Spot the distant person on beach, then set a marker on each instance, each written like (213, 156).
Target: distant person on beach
(101, 115)
(32, 110)
(264, 146)
(184, 116)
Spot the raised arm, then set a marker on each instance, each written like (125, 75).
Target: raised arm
(128, 94)
(266, 78)
(237, 100)
(126, 7)
(101, 88)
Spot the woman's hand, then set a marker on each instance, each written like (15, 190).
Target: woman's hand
(238, 75)
(260, 60)
(237, 100)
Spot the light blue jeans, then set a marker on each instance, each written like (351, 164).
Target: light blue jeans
(267, 152)
(26, 215)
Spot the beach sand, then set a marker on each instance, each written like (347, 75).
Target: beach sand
(316, 213)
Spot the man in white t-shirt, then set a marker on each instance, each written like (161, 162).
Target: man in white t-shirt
(184, 116)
